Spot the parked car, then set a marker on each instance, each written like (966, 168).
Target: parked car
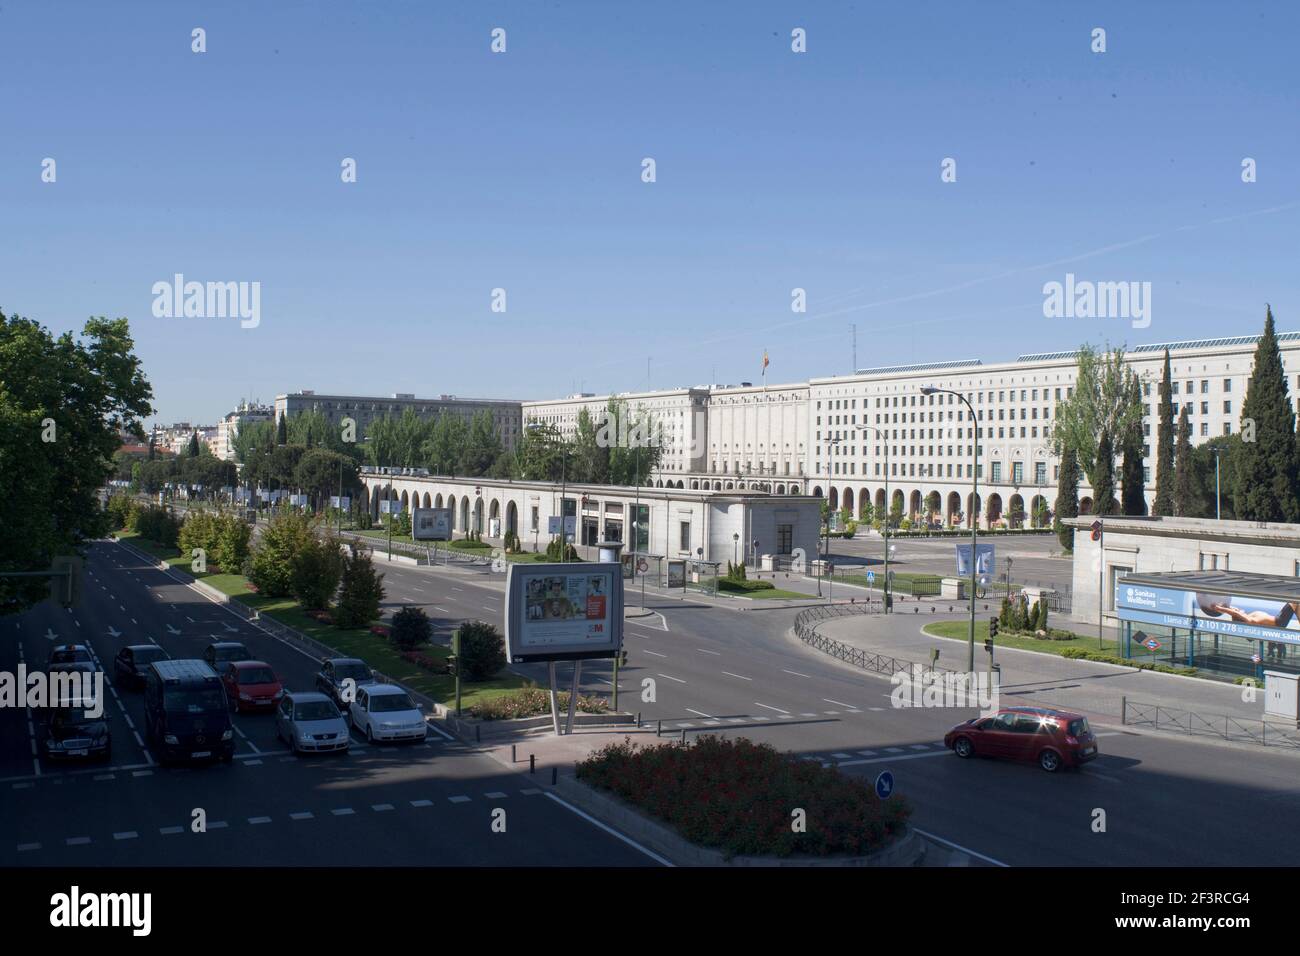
(131, 665)
(186, 714)
(1050, 738)
(220, 653)
(251, 685)
(335, 670)
(69, 654)
(76, 727)
(386, 712)
(309, 722)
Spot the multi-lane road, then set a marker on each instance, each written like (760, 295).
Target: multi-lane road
(697, 667)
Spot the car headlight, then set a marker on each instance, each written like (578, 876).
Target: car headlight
(52, 744)
(279, 693)
(243, 696)
(171, 739)
(226, 735)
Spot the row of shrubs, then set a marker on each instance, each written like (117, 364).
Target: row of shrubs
(532, 702)
(1079, 653)
(744, 797)
(1017, 615)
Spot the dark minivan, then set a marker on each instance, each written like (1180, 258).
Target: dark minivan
(186, 713)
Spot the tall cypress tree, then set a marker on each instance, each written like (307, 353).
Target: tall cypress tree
(1133, 496)
(1103, 491)
(1184, 468)
(282, 430)
(1265, 475)
(1164, 501)
(1067, 496)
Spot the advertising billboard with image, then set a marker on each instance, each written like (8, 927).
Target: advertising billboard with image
(563, 611)
(1256, 618)
(431, 524)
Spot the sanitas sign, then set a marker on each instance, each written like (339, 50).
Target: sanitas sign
(1252, 618)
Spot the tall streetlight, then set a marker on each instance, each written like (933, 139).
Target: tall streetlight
(826, 551)
(884, 524)
(974, 518)
(1218, 501)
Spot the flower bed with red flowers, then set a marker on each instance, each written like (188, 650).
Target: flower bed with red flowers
(380, 629)
(425, 661)
(739, 796)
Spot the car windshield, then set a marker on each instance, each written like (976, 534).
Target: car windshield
(358, 672)
(71, 716)
(147, 655)
(68, 657)
(315, 710)
(387, 703)
(232, 653)
(1079, 728)
(256, 675)
(200, 701)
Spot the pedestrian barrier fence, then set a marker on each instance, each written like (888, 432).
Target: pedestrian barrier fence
(1141, 714)
(805, 628)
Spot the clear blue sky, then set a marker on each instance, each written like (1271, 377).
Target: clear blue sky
(522, 171)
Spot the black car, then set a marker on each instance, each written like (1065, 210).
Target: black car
(335, 670)
(131, 666)
(76, 728)
(219, 653)
(187, 716)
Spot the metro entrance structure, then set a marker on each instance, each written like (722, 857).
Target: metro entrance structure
(1232, 623)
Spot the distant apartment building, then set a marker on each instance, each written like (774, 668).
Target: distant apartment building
(506, 414)
(245, 413)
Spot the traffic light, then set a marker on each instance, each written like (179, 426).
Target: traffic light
(451, 664)
(65, 584)
(622, 658)
(993, 628)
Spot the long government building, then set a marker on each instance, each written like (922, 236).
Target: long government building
(846, 436)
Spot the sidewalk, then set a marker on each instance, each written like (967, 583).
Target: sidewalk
(1033, 678)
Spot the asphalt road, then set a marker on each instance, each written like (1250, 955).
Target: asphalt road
(430, 803)
(1166, 801)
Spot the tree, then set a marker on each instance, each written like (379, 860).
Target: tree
(1132, 477)
(1067, 497)
(271, 563)
(1184, 468)
(1204, 458)
(1103, 486)
(482, 446)
(193, 448)
(590, 453)
(482, 652)
(360, 591)
(1102, 403)
(541, 453)
(1164, 500)
(315, 571)
(250, 436)
(64, 404)
(320, 472)
(1267, 471)
(635, 442)
(282, 430)
(410, 627)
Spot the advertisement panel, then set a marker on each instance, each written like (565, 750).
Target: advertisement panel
(983, 559)
(431, 524)
(676, 574)
(1260, 619)
(563, 611)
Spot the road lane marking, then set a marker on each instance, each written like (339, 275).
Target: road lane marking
(125, 835)
(700, 713)
(458, 799)
(797, 674)
(302, 815)
(169, 831)
(668, 677)
(77, 841)
(703, 651)
(770, 707)
(837, 703)
(928, 753)
(421, 803)
(656, 654)
(381, 807)
(741, 676)
(343, 812)
(610, 830)
(956, 846)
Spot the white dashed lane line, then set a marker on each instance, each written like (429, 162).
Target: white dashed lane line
(670, 677)
(741, 676)
(770, 707)
(302, 815)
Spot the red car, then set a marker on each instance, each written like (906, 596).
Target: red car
(1050, 738)
(251, 685)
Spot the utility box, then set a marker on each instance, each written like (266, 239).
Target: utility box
(1282, 696)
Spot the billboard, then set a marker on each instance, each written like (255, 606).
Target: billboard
(431, 524)
(676, 574)
(983, 559)
(563, 611)
(1261, 619)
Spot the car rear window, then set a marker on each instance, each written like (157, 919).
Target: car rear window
(1079, 728)
(256, 675)
(358, 672)
(146, 655)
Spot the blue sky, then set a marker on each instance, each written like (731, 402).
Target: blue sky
(522, 170)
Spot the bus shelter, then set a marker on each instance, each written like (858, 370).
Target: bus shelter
(1232, 623)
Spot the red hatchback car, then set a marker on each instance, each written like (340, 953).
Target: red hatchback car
(1050, 738)
(251, 685)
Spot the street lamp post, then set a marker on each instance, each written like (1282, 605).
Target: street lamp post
(1218, 501)
(884, 524)
(735, 547)
(974, 523)
(826, 551)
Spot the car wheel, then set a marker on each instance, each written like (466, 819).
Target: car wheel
(1049, 760)
(962, 747)
(370, 737)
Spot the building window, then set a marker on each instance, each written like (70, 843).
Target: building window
(785, 539)
(1040, 472)
(685, 544)
(997, 471)
(535, 519)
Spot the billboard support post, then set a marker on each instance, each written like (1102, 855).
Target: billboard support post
(555, 700)
(573, 695)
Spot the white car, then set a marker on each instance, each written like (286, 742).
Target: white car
(386, 712)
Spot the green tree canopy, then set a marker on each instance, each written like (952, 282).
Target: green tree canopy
(1266, 473)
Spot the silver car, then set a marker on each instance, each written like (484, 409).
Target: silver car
(310, 723)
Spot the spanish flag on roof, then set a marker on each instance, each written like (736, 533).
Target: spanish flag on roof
(765, 362)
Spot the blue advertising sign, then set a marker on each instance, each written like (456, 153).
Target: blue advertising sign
(1260, 619)
(983, 559)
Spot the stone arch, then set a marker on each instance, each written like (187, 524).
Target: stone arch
(780, 489)
(376, 496)
(478, 515)
(406, 502)
(717, 486)
(848, 499)
(817, 491)
(1016, 511)
(994, 511)
(427, 502)
(834, 499)
(1038, 502)
(880, 500)
(464, 513)
(896, 500)
(794, 490)
(954, 507)
(695, 485)
(728, 487)
(914, 504)
(437, 500)
(512, 518)
(455, 515)
(972, 510)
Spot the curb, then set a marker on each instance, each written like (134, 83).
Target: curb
(909, 850)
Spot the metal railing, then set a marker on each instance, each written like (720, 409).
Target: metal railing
(1141, 714)
(805, 628)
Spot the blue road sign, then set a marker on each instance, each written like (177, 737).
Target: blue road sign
(871, 577)
(885, 785)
